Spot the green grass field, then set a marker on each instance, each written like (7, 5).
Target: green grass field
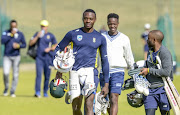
(26, 104)
(65, 15)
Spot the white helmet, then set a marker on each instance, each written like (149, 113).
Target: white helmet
(147, 26)
(64, 61)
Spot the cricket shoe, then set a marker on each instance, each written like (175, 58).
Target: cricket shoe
(146, 86)
(138, 83)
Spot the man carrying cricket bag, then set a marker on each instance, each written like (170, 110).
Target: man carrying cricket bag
(159, 91)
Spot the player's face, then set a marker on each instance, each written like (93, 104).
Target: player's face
(89, 20)
(44, 28)
(113, 24)
(13, 25)
(151, 41)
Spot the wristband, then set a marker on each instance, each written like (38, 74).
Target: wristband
(148, 70)
(18, 46)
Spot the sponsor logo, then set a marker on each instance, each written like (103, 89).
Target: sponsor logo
(77, 30)
(79, 37)
(164, 106)
(94, 40)
(105, 55)
(48, 36)
(8, 34)
(4, 33)
(118, 84)
(73, 87)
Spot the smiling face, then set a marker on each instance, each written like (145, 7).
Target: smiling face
(113, 25)
(89, 19)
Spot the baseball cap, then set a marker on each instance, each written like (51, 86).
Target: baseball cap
(44, 23)
(147, 26)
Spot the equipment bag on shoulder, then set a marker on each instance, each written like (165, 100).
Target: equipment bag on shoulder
(32, 51)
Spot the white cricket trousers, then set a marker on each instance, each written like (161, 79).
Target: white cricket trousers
(8, 62)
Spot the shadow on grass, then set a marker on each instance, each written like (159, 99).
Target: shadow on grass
(17, 96)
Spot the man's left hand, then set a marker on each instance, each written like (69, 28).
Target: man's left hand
(58, 75)
(144, 71)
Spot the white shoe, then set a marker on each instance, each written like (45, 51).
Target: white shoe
(13, 95)
(146, 86)
(6, 94)
(138, 83)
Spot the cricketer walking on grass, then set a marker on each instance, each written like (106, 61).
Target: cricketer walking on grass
(14, 40)
(46, 43)
(157, 96)
(119, 56)
(83, 76)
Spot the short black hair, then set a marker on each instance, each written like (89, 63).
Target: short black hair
(12, 21)
(113, 15)
(158, 35)
(89, 10)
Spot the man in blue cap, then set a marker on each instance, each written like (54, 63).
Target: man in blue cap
(46, 43)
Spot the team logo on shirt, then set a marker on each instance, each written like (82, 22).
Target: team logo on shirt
(94, 40)
(118, 84)
(4, 33)
(48, 36)
(79, 37)
(8, 34)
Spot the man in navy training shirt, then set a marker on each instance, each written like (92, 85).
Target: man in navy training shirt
(144, 36)
(13, 40)
(85, 41)
(46, 45)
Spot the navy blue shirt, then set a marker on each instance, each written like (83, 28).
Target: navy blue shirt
(8, 39)
(145, 36)
(46, 41)
(85, 46)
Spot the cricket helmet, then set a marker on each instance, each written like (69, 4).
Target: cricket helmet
(58, 88)
(135, 99)
(64, 61)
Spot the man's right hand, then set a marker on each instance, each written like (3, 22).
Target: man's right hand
(13, 31)
(39, 34)
(105, 89)
(58, 75)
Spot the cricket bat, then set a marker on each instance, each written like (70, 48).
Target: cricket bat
(174, 90)
(169, 93)
(171, 85)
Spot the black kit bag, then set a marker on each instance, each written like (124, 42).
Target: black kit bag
(32, 50)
